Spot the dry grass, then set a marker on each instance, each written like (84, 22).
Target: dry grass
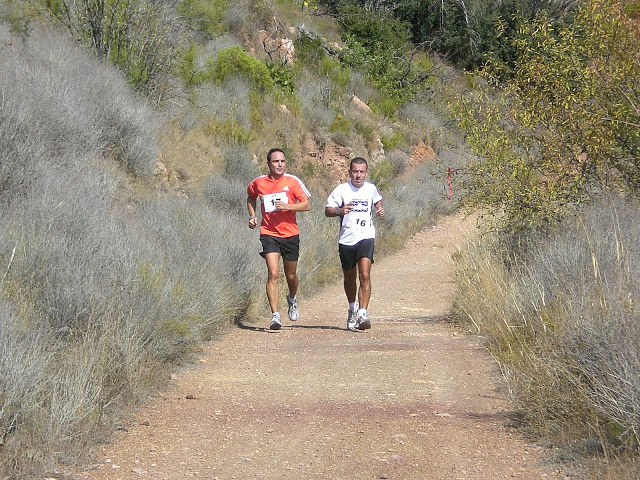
(562, 324)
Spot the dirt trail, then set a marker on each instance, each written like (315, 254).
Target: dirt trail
(411, 398)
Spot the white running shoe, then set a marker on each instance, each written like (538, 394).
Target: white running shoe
(275, 321)
(352, 318)
(293, 309)
(363, 322)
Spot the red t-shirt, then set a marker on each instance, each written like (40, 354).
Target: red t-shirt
(289, 189)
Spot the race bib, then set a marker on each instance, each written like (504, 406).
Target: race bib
(269, 200)
(358, 222)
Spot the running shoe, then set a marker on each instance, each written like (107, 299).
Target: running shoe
(352, 319)
(275, 322)
(363, 322)
(293, 309)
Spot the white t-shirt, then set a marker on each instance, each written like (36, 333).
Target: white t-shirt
(357, 225)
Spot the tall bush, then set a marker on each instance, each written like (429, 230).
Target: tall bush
(101, 289)
(563, 125)
(234, 61)
(562, 323)
(379, 45)
(139, 36)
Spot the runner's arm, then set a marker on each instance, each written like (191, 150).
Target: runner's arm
(251, 206)
(336, 211)
(302, 206)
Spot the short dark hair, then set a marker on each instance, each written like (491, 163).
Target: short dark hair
(273, 150)
(359, 161)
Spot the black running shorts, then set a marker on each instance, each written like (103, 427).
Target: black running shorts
(350, 254)
(288, 247)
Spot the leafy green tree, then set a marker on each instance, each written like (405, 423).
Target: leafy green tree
(465, 31)
(563, 124)
(379, 44)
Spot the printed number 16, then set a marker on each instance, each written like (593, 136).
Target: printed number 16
(362, 222)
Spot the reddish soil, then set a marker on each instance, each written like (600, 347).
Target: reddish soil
(412, 398)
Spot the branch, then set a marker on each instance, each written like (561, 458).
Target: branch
(13, 252)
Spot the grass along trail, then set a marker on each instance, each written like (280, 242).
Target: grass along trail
(412, 398)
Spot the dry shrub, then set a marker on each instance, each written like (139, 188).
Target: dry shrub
(424, 124)
(101, 289)
(315, 96)
(190, 156)
(319, 261)
(229, 100)
(562, 323)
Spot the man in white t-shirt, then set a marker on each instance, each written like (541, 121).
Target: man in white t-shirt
(354, 202)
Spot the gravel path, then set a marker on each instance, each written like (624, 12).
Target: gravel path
(412, 398)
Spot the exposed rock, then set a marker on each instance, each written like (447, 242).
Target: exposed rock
(377, 154)
(331, 158)
(331, 48)
(336, 160)
(280, 48)
(422, 153)
(360, 105)
(161, 170)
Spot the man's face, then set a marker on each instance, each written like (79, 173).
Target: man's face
(358, 174)
(277, 163)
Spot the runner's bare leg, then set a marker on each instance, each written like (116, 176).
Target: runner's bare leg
(290, 272)
(273, 272)
(350, 285)
(364, 273)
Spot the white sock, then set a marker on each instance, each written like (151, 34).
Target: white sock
(353, 306)
(362, 311)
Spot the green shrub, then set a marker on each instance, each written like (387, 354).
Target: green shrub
(382, 174)
(190, 69)
(309, 51)
(393, 141)
(378, 44)
(338, 73)
(137, 36)
(341, 125)
(234, 61)
(281, 78)
(385, 105)
(563, 125)
(230, 131)
(367, 131)
(206, 16)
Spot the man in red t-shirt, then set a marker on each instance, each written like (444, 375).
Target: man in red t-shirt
(281, 196)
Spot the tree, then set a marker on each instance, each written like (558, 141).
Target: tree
(136, 35)
(564, 123)
(379, 44)
(465, 31)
